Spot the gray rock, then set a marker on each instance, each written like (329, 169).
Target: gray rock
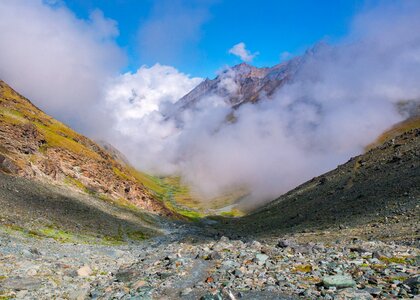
(19, 283)
(261, 258)
(283, 243)
(186, 291)
(350, 293)
(80, 294)
(413, 282)
(339, 281)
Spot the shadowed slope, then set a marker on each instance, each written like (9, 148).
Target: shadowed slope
(384, 182)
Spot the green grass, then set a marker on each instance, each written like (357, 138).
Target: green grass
(396, 260)
(234, 213)
(151, 182)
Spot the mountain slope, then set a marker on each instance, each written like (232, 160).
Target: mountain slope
(244, 83)
(381, 186)
(34, 145)
(241, 84)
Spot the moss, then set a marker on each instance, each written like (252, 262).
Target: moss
(302, 269)
(136, 235)
(54, 139)
(76, 183)
(113, 240)
(151, 182)
(2, 277)
(189, 214)
(396, 260)
(397, 278)
(234, 213)
(378, 266)
(120, 174)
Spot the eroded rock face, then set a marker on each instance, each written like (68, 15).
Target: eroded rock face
(34, 145)
(7, 165)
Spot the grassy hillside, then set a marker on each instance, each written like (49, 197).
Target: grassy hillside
(35, 145)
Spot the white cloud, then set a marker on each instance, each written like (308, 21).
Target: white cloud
(136, 104)
(241, 51)
(57, 60)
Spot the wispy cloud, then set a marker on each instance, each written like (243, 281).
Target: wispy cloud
(241, 51)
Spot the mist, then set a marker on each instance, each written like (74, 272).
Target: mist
(341, 99)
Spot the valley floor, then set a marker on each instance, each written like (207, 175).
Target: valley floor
(194, 263)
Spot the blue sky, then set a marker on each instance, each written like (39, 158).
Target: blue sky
(195, 36)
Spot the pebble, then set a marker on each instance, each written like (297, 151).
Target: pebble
(173, 265)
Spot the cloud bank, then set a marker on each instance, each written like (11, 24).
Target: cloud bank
(240, 51)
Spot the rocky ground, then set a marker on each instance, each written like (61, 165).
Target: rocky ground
(190, 264)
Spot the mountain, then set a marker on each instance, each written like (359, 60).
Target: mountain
(241, 84)
(245, 83)
(34, 145)
(378, 192)
(83, 242)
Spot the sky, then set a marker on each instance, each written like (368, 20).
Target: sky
(196, 35)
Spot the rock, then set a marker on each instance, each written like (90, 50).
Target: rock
(359, 250)
(255, 245)
(373, 291)
(283, 243)
(35, 251)
(186, 291)
(261, 258)
(19, 284)
(8, 165)
(224, 239)
(238, 273)
(138, 284)
(217, 296)
(80, 294)
(84, 271)
(413, 283)
(214, 255)
(350, 293)
(339, 281)
(31, 272)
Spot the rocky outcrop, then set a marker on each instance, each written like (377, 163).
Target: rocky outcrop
(34, 145)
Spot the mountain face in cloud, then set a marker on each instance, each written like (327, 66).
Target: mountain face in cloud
(269, 129)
